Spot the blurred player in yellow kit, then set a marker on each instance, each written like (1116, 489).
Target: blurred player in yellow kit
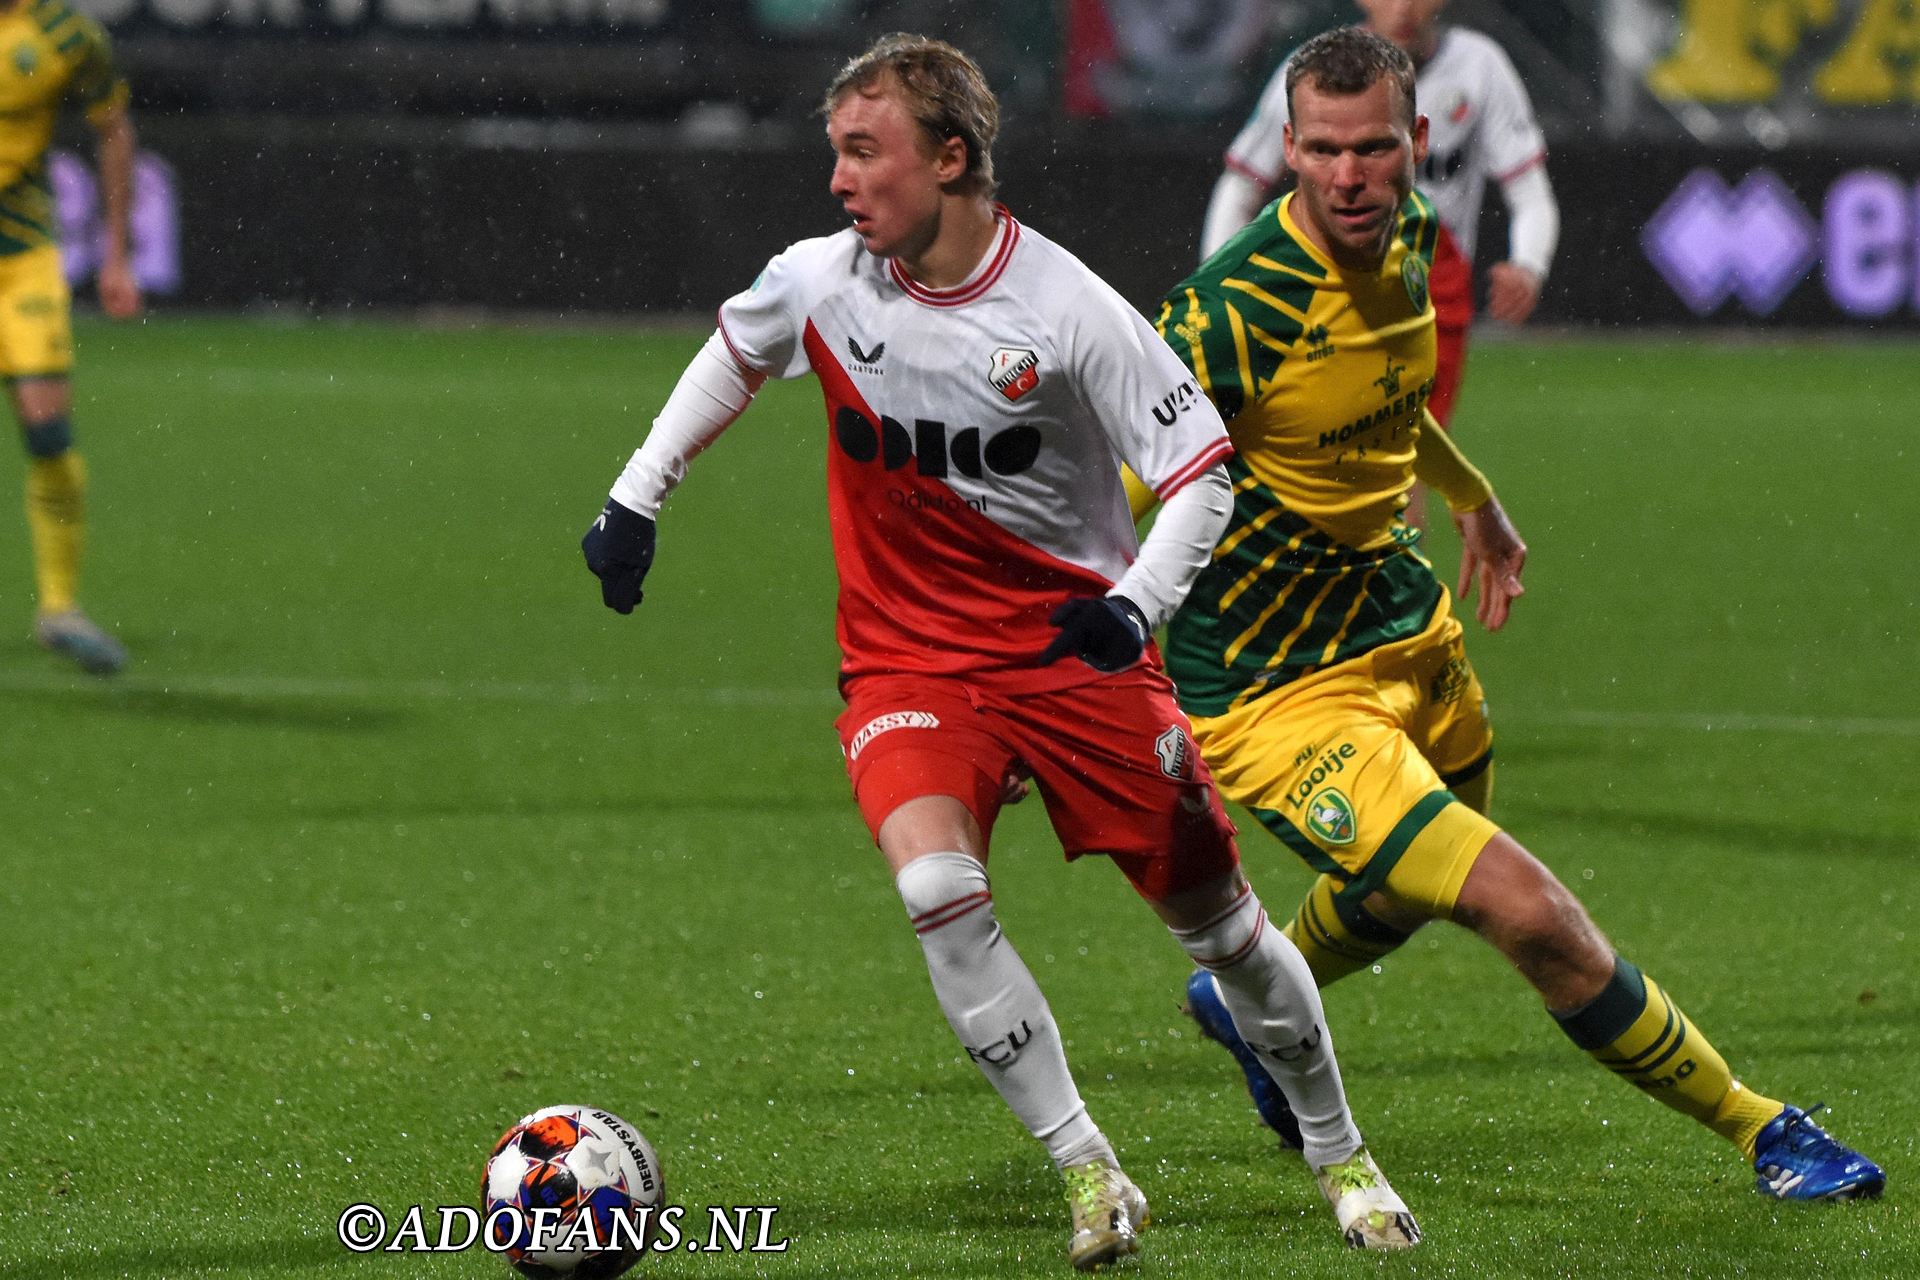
(1319, 658)
(49, 55)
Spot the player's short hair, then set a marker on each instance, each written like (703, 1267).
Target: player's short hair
(941, 88)
(1348, 60)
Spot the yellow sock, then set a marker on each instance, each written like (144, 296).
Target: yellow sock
(1337, 939)
(1634, 1029)
(57, 519)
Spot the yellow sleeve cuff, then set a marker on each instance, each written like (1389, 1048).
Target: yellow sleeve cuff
(1140, 499)
(1440, 465)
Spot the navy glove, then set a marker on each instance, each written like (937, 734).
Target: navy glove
(619, 550)
(1108, 633)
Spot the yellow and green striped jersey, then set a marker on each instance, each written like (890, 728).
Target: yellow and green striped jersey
(49, 54)
(1321, 375)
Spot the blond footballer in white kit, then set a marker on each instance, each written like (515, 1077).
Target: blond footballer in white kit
(982, 388)
(986, 415)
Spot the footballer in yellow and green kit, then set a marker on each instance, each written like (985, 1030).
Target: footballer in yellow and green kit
(1317, 655)
(52, 56)
(1323, 670)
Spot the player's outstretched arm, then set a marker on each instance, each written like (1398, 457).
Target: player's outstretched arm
(619, 551)
(1512, 292)
(1492, 555)
(619, 546)
(1179, 546)
(1513, 286)
(119, 289)
(1491, 552)
(1110, 633)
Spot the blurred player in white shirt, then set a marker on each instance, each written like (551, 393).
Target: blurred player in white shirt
(982, 388)
(1481, 130)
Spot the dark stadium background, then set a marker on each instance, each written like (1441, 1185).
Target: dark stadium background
(632, 156)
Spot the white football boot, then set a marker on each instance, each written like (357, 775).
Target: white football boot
(1109, 1213)
(1370, 1214)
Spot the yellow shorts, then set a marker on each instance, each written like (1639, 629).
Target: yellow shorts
(1350, 766)
(36, 325)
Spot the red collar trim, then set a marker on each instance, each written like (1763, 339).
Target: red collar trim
(961, 294)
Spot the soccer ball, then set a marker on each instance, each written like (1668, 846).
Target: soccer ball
(571, 1191)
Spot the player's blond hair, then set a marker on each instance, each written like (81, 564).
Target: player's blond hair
(942, 89)
(1347, 60)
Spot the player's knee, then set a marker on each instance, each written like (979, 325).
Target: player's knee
(1386, 919)
(1545, 928)
(1257, 967)
(989, 998)
(948, 899)
(48, 438)
(1223, 935)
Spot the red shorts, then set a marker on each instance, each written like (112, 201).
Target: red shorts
(1451, 285)
(1113, 759)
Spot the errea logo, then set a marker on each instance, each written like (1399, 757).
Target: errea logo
(1013, 371)
(1193, 324)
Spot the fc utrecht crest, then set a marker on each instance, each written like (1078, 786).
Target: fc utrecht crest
(1176, 756)
(1013, 371)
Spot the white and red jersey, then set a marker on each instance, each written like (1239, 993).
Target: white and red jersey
(974, 442)
(1481, 128)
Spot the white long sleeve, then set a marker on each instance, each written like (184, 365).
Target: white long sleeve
(1535, 220)
(712, 392)
(1236, 199)
(1179, 546)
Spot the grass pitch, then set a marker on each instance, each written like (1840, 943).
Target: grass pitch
(391, 833)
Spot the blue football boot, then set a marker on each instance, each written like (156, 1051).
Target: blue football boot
(76, 636)
(1205, 1007)
(1796, 1160)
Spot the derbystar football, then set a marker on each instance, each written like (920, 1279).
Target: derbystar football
(593, 1174)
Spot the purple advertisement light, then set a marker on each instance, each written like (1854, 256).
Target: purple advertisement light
(1870, 236)
(1711, 242)
(153, 223)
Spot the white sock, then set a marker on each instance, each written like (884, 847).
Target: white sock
(1270, 993)
(994, 1005)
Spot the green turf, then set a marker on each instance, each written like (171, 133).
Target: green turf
(392, 833)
